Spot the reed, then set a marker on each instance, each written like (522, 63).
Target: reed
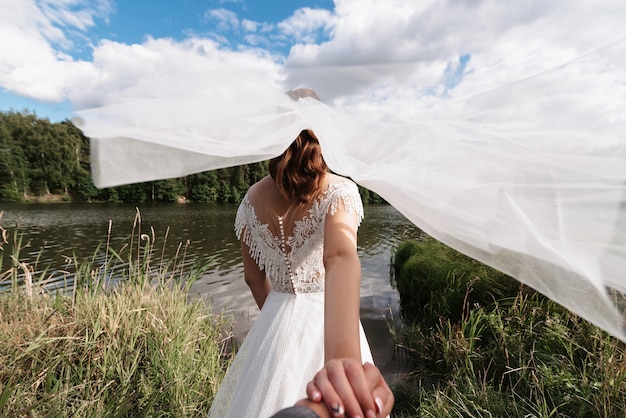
(123, 338)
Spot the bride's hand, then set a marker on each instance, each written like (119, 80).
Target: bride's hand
(347, 387)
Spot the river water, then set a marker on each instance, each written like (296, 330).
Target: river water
(55, 232)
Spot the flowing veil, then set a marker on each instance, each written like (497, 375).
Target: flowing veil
(495, 176)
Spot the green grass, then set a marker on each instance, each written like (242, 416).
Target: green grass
(136, 347)
(434, 281)
(518, 355)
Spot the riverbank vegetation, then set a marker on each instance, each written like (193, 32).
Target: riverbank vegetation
(136, 346)
(42, 161)
(482, 345)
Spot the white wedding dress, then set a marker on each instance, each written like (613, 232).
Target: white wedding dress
(285, 346)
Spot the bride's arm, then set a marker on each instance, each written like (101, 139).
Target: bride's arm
(255, 278)
(343, 276)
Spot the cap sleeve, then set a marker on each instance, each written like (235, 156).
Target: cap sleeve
(345, 196)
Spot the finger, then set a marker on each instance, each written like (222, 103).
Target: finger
(384, 400)
(329, 395)
(383, 396)
(346, 377)
(312, 392)
(373, 375)
(361, 387)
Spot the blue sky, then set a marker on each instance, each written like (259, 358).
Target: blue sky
(394, 56)
(132, 22)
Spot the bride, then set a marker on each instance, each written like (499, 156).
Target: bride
(298, 230)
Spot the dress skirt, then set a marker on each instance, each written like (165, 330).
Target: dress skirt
(279, 356)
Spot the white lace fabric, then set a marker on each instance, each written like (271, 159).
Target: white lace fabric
(289, 248)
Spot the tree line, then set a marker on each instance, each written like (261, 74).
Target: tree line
(39, 158)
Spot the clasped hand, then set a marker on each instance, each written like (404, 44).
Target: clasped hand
(344, 387)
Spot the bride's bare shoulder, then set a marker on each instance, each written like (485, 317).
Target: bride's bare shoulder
(263, 185)
(334, 178)
(266, 193)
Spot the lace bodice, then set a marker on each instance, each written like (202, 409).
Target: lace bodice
(294, 262)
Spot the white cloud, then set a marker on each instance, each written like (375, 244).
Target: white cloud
(249, 25)
(80, 14)
(386, 48)
(33, 63)
(305, 23)
(226, 19)
(160, 65)
(388, 55)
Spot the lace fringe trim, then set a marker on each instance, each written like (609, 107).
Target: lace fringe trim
(260, 250)
(264, 247)
(346, 195)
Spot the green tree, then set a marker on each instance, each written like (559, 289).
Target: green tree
(224, 193)
(256, 171)
(87, 190)
(9, 189)
(203, 193)
(39, 156)
(79, 165)
(138, 193)
(167, 190)
(235, 195)
(20, 127)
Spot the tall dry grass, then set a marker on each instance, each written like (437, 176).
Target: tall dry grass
(123, 338)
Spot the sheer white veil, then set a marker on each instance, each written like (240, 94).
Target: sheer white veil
(540, 198)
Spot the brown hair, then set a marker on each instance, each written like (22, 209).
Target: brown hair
(298, 172)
